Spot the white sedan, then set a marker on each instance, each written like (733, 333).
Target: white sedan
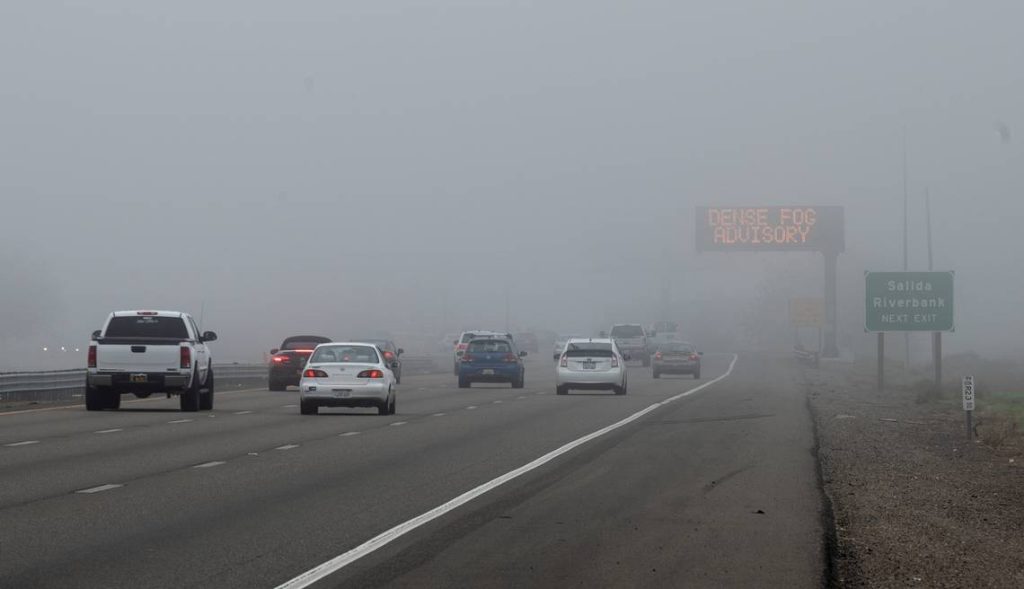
(591, 364)
(347, 375)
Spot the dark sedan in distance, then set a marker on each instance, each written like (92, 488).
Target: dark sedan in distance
(392, 354)
(287, 362)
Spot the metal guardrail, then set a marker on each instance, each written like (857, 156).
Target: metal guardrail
(63, 385)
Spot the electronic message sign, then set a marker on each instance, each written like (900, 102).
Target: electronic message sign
(784, 228)
(908, 301)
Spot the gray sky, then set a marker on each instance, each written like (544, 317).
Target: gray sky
(347, 167)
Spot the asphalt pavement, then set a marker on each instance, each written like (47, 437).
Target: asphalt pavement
(713, 486)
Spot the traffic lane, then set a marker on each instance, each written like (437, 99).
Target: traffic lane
(75, 420)
(114, 446)
(719, 490)
(270, 516)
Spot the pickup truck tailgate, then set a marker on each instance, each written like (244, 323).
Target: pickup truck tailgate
(138, 357)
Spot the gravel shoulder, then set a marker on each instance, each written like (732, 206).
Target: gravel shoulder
(914, 502)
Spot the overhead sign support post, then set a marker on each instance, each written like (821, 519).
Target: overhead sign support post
(788, 228)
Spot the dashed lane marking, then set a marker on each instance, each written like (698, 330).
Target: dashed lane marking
(180, 421)
(242, 412)
(109, 431)
(287, 447)
(471, 407)
(438, 415)
(25, 443)
(346, 434)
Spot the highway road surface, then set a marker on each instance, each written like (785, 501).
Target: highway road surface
(680, 483)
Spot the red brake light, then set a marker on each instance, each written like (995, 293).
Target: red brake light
(467, 357)
(278, 358)
(694, 356)
(147, 313)
(510, 357)
(314, 373)
(92, 356)
(186, 357)
(389, 355)
(657, 356)
(371, 374)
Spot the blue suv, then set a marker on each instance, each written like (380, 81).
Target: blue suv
(491, 360)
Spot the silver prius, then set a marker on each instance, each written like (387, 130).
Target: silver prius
(591, 364)
(347, 375)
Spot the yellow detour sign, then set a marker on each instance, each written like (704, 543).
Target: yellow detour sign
(807, 312)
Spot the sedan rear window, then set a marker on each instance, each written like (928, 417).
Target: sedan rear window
(589, 350)
(483, 346)
(627, 331)
(346, 354)
(147, 326)
(685, 348)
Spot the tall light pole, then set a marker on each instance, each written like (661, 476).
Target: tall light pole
(906, 222)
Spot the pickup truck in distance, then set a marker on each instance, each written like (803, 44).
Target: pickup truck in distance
(632, 339)
(146, 352)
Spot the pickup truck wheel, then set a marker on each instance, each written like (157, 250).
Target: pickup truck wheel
(655, 374)
(519, 382)
(94, 398)
(206, 395)
(646, 360)
(392, 405)
(276, 386)
(696, 375)
(113, 400)
(190, 397)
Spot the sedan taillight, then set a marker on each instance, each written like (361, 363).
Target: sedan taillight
(314, 373)
(371, 374)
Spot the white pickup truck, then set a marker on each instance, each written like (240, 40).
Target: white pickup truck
(146, 352)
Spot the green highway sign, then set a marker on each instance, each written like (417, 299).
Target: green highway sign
(908, 301)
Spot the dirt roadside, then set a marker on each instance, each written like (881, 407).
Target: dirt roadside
(915, 504)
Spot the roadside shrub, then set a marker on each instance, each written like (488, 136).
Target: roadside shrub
(996, 430)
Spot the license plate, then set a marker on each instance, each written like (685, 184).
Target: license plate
(589, 365)
(487, 372)
(139, 378)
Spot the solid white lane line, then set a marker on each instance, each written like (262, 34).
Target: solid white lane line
(349, 434)
(242, 412)
(438, 415)
(98, 489)
(399, 423)
(210, 464)
(498, 402)
(521, 397)
(287, 447)
(25, 443)
(180, 421)
(339, 562)
(289, 406)
(471, 407)
(109, 431)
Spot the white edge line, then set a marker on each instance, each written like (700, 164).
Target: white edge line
(98, 489)
(398, 423)
(287, 447)
(349, 434)
(339, 562)
(25, 443)
(210, 464)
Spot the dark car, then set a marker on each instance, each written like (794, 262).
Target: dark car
(491, 360)
(676, 358)
(392, 354)
(287, 362)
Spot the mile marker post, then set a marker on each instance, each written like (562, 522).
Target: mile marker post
(968, 393)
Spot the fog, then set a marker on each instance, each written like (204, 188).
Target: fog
(416, 168)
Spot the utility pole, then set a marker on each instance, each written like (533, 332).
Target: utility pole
(906, 223)
(937, 335)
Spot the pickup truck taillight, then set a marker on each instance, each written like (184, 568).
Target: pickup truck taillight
(92, 356)
(186, 357)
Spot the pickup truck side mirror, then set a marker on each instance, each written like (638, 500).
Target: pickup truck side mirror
(96, 334)
(522, 354)
(627, 357)
(208, 336)
(400, 351)
(394, 365)
(274, 350)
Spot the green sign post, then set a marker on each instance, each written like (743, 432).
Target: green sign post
(908, 301)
